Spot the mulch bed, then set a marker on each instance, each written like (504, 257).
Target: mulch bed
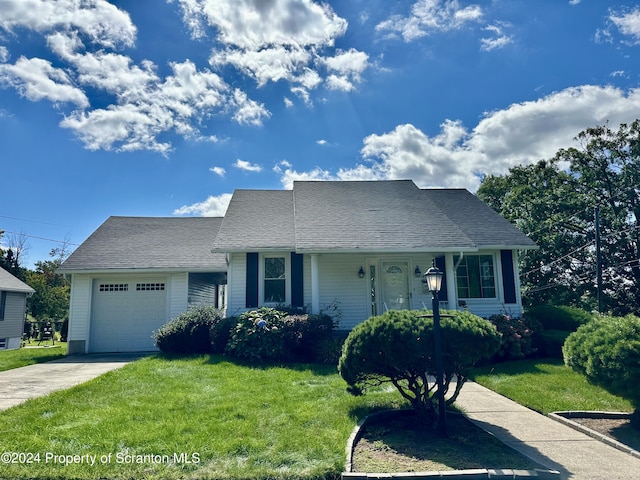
(619, 429)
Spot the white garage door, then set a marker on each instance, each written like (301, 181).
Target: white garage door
(125, 312)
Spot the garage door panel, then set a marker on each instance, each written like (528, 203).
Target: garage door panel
(125, 313)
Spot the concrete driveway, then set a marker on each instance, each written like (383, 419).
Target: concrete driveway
(21, 384)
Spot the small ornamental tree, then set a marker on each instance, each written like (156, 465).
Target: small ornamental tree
(607, 352)
(398, 348)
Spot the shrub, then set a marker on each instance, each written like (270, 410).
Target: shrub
(221, 332)
(517, 337)
(189, 332)
(558, 317)
(549, 343)
(398, 348)
(271, 334)
(607, 352)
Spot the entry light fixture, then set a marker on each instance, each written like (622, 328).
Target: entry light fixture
(361, 272)
(417, 272)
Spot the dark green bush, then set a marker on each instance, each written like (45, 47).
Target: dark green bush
(268, 334)
(398, 348)
(607, 352)
(553, 317)
(548, 343)
(221, 332)
(189, 332)
(517, 337)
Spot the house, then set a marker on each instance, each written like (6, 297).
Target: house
(364, 246)
(13, 304)
(360, 246)
(133, 274)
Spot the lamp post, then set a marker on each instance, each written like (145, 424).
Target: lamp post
(433, 279)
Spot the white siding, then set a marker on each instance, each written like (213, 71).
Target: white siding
(236, 278)
(178, 294)
(12, 325)
(80, 307)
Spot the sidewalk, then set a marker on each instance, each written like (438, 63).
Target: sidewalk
(21, 384)
(554, 445)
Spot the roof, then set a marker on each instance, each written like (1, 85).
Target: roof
(257, 219)
(149, 243)
(10, 283)
(364, 216)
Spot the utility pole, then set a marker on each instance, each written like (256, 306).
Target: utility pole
(598, 259)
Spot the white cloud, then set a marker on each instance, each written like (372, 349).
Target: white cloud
(428, 16)
(145, 113)
(275, 40)
(98, 20)
(4, 54)
(628, 23)
(499, 40)
(247, 166)
(322, 142)
(37, 79)
(220, 171)
(211, 207)
(457, 157)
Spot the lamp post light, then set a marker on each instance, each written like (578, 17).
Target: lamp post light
(433, 279)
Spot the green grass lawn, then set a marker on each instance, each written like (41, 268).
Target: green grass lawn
(10, 359)
(547, 386)
(230, 421)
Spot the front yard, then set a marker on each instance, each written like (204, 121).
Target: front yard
(31, 354)
(196, 417)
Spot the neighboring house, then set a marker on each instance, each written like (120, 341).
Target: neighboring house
(134, 274)
(13, 304)
(359, 246)
(363, 247)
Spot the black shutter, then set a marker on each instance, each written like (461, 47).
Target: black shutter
(297, 280)
(251, 291)
(440, 265)
(508, 279)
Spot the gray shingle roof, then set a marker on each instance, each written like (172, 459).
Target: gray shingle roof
(257, 220)
(10, 283)
(124, 243)
(369, 216)
(477, 220)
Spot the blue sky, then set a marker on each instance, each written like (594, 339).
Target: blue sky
(164, 107)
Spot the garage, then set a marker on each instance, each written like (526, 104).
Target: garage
(125, 312)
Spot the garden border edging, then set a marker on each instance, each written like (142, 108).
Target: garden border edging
(471, 474)
(566, 416)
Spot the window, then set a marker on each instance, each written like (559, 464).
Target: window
(475, 277)
(274, 280)
(149, 286)
(114, 287)
(3, 343)
(3, 304)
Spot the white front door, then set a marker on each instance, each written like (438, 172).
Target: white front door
(395, 286)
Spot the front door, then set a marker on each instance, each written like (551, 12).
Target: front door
(395, 286)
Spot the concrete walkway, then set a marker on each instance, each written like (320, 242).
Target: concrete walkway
(550, 443)
(21, 384)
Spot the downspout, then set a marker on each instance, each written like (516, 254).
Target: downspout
(455, 267)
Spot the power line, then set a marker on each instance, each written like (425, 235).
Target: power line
(41, 238)
(35, 221)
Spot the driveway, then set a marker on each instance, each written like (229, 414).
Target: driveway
(21, 384)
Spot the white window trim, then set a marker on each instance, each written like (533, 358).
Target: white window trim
(497, 280)
(287, 275)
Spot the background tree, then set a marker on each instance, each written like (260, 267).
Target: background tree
(52, 291)
(553, 202)
(11, 255)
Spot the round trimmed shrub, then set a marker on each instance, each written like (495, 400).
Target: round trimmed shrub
(189, 332)
(607, 352)
(553, 317)
(398, 348)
